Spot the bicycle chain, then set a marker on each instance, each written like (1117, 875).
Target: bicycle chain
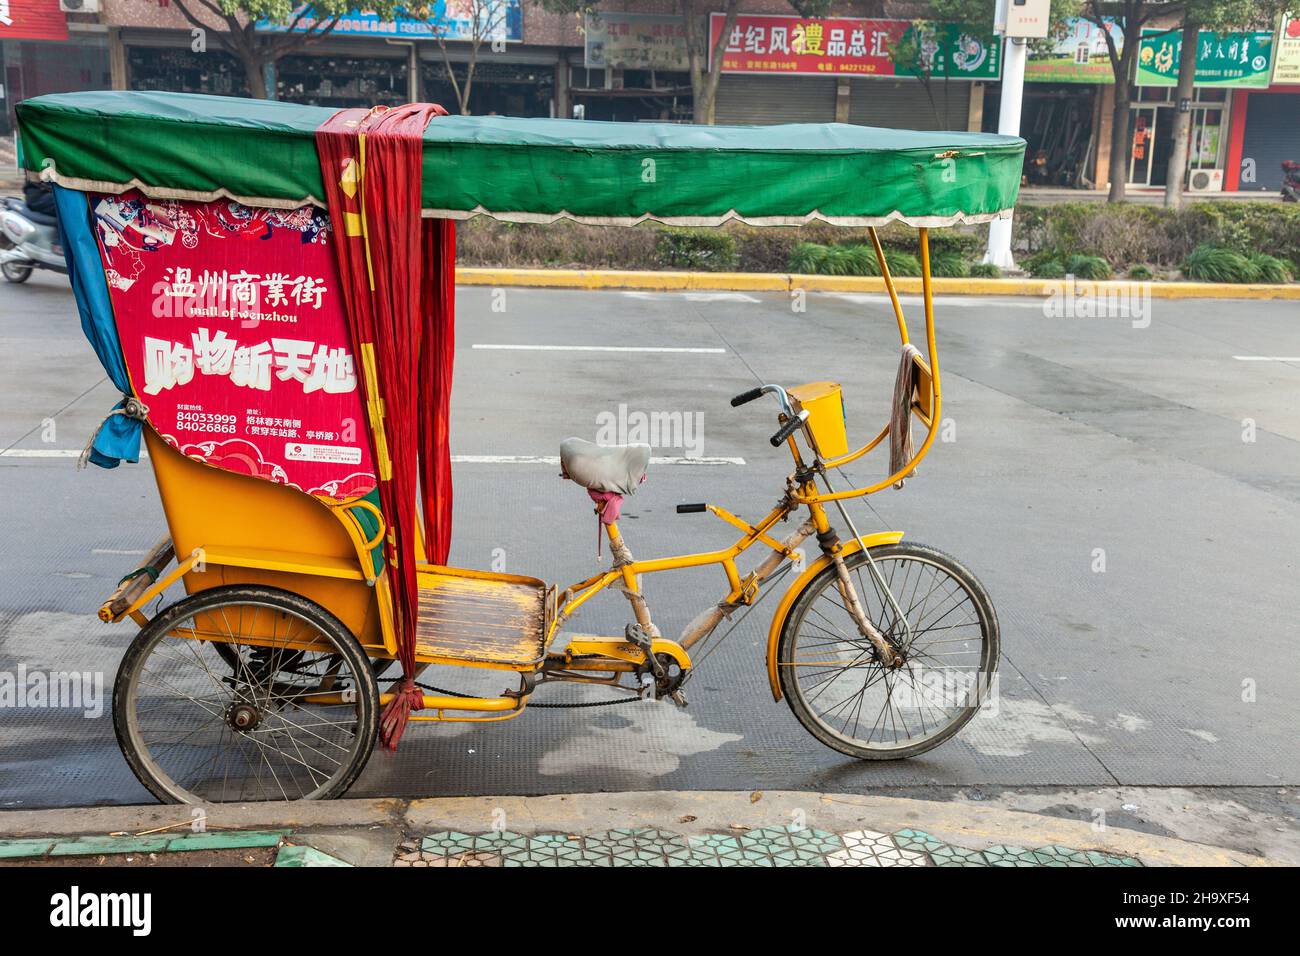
(593, 703)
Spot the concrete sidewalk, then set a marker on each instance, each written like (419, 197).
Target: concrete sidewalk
(657, 828)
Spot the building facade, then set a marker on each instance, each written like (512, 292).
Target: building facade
(629, 63)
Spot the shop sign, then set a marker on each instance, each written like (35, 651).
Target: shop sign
(447, 20)
(1229, 59)
(232, 327)
(32, 20)
(1078, 57)
(842, 46)
(1286, 61)
(635, 41)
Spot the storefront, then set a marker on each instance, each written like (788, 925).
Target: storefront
(790, 69)
(1229, 67)
(633, 67)
(363, 61)
(1265, 128)
(44, 50)
(1064, 115)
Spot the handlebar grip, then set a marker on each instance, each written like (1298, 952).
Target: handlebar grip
(789, 428)
(692, 509)
(746, 397)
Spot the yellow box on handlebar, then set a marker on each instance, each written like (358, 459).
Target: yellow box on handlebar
(826, 419)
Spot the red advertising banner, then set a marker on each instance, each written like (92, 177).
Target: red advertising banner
(234, 336)
(804, 46)
(32, 20)
(844, 46)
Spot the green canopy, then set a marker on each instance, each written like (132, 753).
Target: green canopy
(260, 152)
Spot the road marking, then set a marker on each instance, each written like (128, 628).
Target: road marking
(118, 551)
(455, 459)
(42, 453)
(1267, 358)
(593, 348)
(555, 460)
(694, 296)
(976, 302)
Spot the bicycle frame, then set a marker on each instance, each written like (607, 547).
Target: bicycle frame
(801, 491)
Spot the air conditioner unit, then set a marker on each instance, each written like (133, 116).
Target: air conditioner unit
(1205, 181)
(79, 6)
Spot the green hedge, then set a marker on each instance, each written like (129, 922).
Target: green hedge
(1127, 234)
(1087, 239)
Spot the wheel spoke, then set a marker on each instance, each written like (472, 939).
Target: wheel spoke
(836, 681)
(228, 721)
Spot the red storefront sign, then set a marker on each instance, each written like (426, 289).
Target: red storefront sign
(32, 20)
(232, 327)
(806, 46)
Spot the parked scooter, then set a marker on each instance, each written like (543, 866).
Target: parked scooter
(1290, 181)
(28, 237)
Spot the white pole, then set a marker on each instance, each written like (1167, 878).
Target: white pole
(1014, 55)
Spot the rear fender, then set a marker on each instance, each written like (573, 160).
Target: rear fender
(802, 581)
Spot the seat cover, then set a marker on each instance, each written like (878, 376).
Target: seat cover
(613, 468)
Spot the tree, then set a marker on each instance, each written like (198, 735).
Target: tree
(486, 20)
(257, 49)
(1219, 16)
(1131, 17)
(704, 57)
(914, 52)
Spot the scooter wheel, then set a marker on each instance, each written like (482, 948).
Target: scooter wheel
(16, 273)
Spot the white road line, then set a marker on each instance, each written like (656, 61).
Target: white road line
(455, 459)
(42, 453)
(555, 460)
(592, 348)
(692, 296)
(1267, 358)
(972, 301)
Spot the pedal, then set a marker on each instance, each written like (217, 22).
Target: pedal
(635, 634)
(678, 698)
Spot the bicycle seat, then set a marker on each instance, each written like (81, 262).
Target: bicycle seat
(617, 469)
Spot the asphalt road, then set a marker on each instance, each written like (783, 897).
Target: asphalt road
(1071, 439)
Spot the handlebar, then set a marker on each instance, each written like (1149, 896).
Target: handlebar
(792, 425)
(793, 422)
(753, 393)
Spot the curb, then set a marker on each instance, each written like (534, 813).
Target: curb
(684, 817)
(783, 282)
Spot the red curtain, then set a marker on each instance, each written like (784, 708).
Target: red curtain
(398, 279)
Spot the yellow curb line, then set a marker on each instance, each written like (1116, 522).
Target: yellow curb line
(783, 282)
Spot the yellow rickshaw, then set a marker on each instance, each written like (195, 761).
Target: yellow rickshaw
(266, 679)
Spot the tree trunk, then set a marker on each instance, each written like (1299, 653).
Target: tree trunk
(1120, 143)
(1182, 120)
(704, 80)
(255, 75)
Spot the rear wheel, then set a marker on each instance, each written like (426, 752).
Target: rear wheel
(832, 676)
(287, 709)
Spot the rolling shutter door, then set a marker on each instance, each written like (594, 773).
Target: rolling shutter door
(903, 104)
(1272, 135)
(763, 100)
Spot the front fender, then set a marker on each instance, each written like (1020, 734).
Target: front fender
(802, 581)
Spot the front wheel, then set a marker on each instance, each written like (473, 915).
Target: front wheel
(245, 693)
(16, 272)
(832, 676)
